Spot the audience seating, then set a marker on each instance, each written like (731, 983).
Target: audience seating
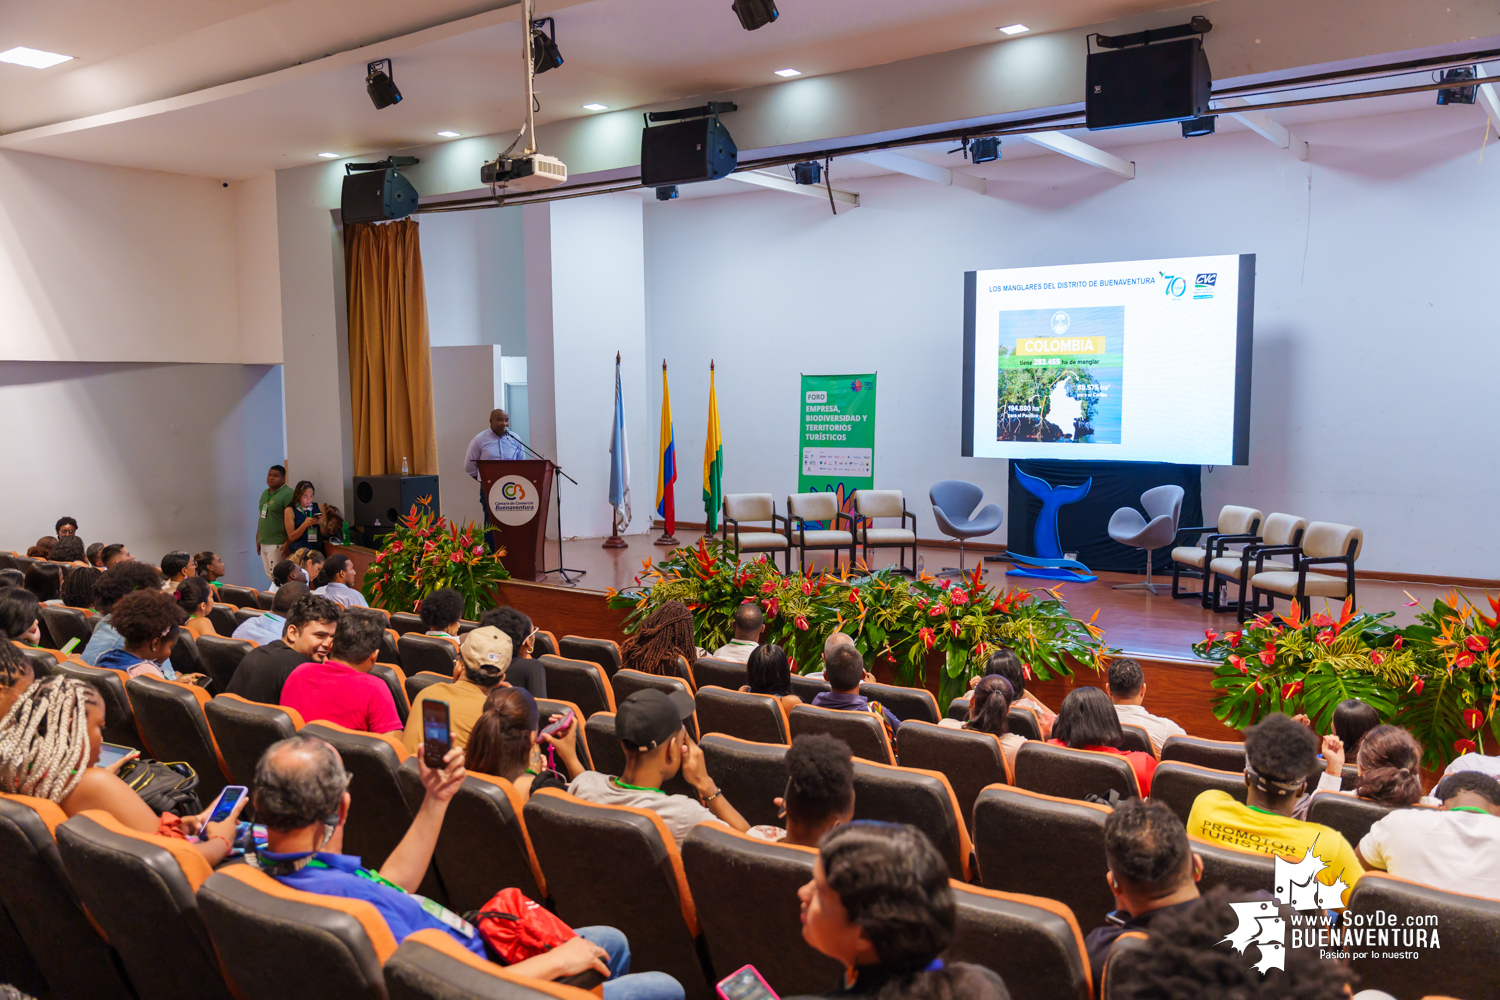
(379, 812)
(43, 661)
(1022, 721)
(1333, 545)
(627, 681)
(185, 658)
(222, 616)
(922, 798)
(582, 682)
(1236, 524)
(119, 714)
(808, 688)
(605, 652)
(245, 729)
(242, 615)
(864, 732)
(870, 504)
(619, 866)
(757, 717)
(169, 716)
(267, 600)
(416, 683)
(969, 759)
(1235, 867)
(1348, 814)
(221, 656)
(278, 943)
(817, 507)
(719, 673)
(1046, 846)
(544, 643)
(751, 776)
(958, 709)
(430, 965)
(433, 653)
(1035, 944)
(1221, 755)
(395, 679)
(20, 968)
(1463, 967)
(549, 707)
(390, 649)
(403, 622)
(904, 702)
(42, 903)
(1280, 530)
(1136, 738)
(240, 597)
(1179, 785)
(756, 507)
(1055, 770)
(140, 889)
(746, 894)
(604, 746)
(64, 623)
(1117, 965)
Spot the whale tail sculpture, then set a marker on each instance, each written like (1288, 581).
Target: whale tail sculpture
(1048, 563)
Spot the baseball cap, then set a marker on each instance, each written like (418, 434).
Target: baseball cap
(486, 651)
(648, 718)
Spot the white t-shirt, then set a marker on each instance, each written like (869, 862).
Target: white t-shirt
(1155, 726)
(735, 650)
(678, 812)
(1482, 763)
(1456, 850)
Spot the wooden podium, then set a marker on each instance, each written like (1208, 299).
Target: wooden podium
(516, 495)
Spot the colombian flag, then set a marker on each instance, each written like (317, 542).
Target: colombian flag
(666, 473)
(713, 459)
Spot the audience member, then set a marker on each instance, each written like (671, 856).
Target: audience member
(880, 904)
(442, 611)
(1008, 665)
(834, 640)
(1279, 756)
(147, 621)
(12, 578)
(20, 616)
(44, 579)
(504, 743)
(1087, 721)
(989, 706)
(340, 689)
(195, 599)
(523, 670)
(819, 791)
(15, 675)
(112, 585)
(1456, 848)
(209, 566)
(302, 519)
(1152, 872)
(49, 746)
(270, 528)
(1483, 763)
(650, 727)
(301, 795)
(665, 635)
(65, 527)
(311, 562)
(93, 554)
(1389, 764)
(268, 627)
(42, 549)
(749, 623)
(176, 566)
(1127, 689)
(78, 586)
(114, 554)
(483, 661)
(284, 573)
(844, 670)
(769, 672)
(69, 549)
(1352, 719)
(336, 582)
(308, 636)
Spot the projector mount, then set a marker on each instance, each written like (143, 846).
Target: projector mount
(1199, 25)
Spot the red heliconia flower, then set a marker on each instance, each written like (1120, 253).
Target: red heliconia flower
(953, 628)
(1322, 621)
(854, 595)
(772, 606)
(801, 622)
(1397, 644)
(1462, 747)
(1210, 634)
(945, 584)
(1416, 686)
(1291, 690)
(927, 636)
(1325, 637)
(379, 557)
(935, 611)
(1000, 605)
(1473, 718)
(1377, 657)
(1268, 657)
(768, 587)
(1464, 660)
(958, 596)
(1477, 643)
(1238, 663)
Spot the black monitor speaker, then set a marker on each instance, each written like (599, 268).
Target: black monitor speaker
(682, 152)
(377, 196)
(1161, 82)
(380, 500)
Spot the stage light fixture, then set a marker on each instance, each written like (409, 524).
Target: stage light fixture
(788, 72)
(666, 193)
(596, 107)
(755, 13)
(807, 172)
(545, 54)
(1457, 95)
(380, 84)
(32, 58)
(1015, 29)
(1198, 126)
(985, 150)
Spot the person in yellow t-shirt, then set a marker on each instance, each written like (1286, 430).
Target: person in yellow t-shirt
(1279, 755)
(483, 659)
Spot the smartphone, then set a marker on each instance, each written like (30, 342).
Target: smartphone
(437, 739)
(111, 753)
(559, 724)
(227, 800)
(746, 984)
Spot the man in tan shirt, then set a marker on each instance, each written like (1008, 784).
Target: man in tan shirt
(482, 662)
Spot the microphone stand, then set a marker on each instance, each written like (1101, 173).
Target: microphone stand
(561, 569)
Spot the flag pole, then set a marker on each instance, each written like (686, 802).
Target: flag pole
(614, 541)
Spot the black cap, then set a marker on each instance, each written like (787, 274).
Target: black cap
(649, 718)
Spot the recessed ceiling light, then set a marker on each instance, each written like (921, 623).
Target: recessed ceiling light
(596, 107)
(35, 58)
(329, 156)
(447, 134)
(788, 72)
(1015, 29)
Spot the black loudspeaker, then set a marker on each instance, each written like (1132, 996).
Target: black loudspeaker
(682, 152)
(1164, 82)
(377, 196)
(380, 500)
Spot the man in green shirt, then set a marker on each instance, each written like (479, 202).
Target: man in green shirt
(270, 526)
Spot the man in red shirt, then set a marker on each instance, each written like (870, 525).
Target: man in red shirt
(340, 690)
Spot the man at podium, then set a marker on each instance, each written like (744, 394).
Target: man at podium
(494, 442)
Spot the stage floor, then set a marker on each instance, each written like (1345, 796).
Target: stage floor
(1133, 620)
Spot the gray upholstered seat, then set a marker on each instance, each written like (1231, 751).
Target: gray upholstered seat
(740, 508)
(804, 507)
(1322, 544)
(1163, 506)
(953, 505)
(870, 504)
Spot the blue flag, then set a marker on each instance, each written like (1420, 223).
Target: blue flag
(619, 461)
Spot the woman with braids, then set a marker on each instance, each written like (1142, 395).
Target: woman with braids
(666, 634)
(880, 903)
(988, 707)
(49, 746)
(15, 675)
(195, 599)
(78, 586)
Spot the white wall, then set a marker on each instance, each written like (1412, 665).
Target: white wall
(473, 265)
(467, 385)
(1375, 337)
(257, 270)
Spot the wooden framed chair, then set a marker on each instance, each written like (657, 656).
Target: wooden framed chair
(1234, 524)
(870, 504)
(755, 507)
(804, 507)
(1227, 569)
(1323, 544)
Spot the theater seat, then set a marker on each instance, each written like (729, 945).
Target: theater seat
(1465, 964)
(277, 943)
(627, 681)
(1137, 739)
(922, 798)
(1127, 949)
(222, 616)
(20, 968)
(242, 615)
(580, 681)
(720, 673)
(64, 623)
(390, 649)
(430, 965)
(757, 717)
(904, 702)
(221, 656)
(544, 643)
(1023, 722)
(1033, 943)
(1348, 814)
(746, 893)
(119, 714)
(240, 597)
(619, 866)
(1221, 755)
(1054, 770)
(958, 709)
(1240, 869)
(40, 898)
(244, 729)
(1179, 785)
(864, 732)
(379, 813)
(403, 622)
(169, 715)
(1044, 846)
(416, 683)
(605, 652)
(433, 653)
(751, 775)
(43, 661)
(969, 759)
(185, 658)
(395, 680)
(808, 688)
(604, 746)
(140, 889)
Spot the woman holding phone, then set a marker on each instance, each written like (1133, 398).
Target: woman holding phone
(304, 520)
(505, 742)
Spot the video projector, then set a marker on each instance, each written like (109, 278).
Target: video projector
(525, 173)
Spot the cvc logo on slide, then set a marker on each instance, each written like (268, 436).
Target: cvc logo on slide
(1176, 286)
(513, 500)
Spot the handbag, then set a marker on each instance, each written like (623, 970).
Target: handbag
(163, 787)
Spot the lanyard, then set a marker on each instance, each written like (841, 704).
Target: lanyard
(636, 788)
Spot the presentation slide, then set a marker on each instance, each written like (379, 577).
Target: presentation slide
(1135, 361)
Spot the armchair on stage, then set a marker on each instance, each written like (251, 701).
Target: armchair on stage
(1163, 506)
(756, 507)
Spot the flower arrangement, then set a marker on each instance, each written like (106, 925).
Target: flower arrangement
(1436, 678)
(425, 553)
(886, 614)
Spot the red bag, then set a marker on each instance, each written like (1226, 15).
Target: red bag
(517, 928)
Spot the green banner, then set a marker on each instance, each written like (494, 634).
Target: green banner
(837, 447)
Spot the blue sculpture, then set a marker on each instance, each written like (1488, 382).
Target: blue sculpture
(1048, 563)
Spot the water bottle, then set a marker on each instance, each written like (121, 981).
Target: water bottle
(404, 470)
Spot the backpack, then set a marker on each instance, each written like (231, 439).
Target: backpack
(516, 928)
(163, 787)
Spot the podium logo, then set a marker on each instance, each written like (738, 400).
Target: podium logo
(513, 500)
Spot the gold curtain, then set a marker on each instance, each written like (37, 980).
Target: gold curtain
(390, 363)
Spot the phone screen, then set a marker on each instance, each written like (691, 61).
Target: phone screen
(110, 753)
(745, 984)
(228, 799)
(558, 724)
(436, 738)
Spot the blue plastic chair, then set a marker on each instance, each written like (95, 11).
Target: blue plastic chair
(953, 503)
